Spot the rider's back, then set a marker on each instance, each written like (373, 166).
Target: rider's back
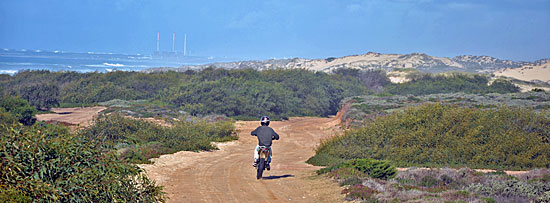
(265, 134)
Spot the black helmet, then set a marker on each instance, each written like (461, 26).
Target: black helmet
(264, 120)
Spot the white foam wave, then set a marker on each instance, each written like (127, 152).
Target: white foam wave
(114, 64)
(11, 72)
(96, 66)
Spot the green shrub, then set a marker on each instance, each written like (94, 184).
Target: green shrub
(374, 168)
(446, 135)
(46, 163)
(324, 160)
(146, 140)
(42, 96)
(244, 93)
(18, 108)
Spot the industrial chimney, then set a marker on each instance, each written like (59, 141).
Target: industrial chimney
(158, 38)
(173, 42)
(185, 45)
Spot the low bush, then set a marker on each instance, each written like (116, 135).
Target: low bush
(360, 192)
(448, 185)
(446, 135)
(46, 163)
(18, 109)
(373, 168)
(138, 140)
(351, 181)
(428, 181)
(509, 188)
(324, 160)
(345, 173)
(366, 108)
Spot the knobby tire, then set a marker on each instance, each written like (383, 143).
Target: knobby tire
(261, 167)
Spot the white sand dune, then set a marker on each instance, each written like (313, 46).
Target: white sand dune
(528, 72)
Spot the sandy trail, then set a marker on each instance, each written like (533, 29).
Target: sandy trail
(73, 116)
(227, 175)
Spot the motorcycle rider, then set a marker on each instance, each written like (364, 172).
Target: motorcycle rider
(265, 135)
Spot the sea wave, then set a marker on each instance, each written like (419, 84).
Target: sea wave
(10, 72)
(105, 65)
(114, 64)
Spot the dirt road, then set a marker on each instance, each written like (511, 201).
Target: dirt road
(227, 175)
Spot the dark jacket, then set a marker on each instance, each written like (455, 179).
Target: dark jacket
(265, 135)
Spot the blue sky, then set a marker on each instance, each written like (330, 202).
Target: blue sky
(260, 29)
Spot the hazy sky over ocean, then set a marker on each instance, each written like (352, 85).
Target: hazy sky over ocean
(259, 29)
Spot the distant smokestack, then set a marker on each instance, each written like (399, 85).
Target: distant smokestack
(173, 42)
(158, 38)
(185, 44)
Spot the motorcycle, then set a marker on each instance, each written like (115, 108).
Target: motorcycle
(262, 162)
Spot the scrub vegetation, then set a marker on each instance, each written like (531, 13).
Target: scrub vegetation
(49, 162)
(392, 128)
(242, 93)
(448, 135)
(443, 185)
(440, 136)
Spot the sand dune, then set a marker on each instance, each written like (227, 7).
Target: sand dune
(539, 72)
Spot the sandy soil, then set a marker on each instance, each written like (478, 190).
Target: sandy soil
(227, 175)
(72, 116)
(398, 77)
(527, 73)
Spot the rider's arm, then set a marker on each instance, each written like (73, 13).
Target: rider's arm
(253, 133)
(275, 135)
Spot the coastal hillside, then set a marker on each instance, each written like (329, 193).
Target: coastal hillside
(372, 60)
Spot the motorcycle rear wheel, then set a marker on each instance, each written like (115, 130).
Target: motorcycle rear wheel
(261, 167)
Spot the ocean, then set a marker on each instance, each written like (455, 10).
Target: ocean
(12, 61)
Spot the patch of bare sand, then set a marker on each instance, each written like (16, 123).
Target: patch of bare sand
(74, 116)
(527, 73)
(398, 77)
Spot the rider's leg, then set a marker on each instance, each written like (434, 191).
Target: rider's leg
(270, 156)
(256, 155)
(268, 167)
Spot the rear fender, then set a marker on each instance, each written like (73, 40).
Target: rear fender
(263, 152)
